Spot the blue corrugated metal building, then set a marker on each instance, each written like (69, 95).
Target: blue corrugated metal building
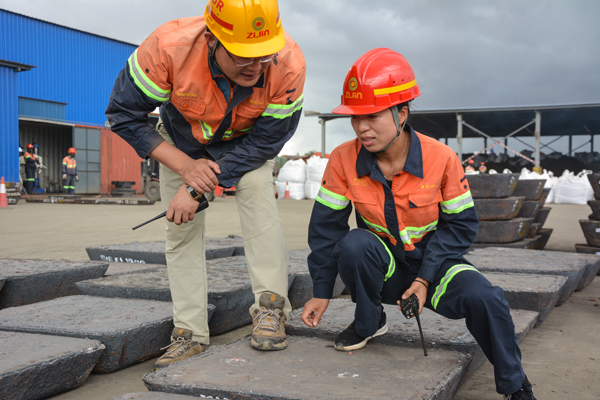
(55, 83)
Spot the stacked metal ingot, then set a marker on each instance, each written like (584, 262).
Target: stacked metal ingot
(507, 209)
(591, 226)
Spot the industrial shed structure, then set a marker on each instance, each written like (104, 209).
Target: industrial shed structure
(499, 124)
(55, 83)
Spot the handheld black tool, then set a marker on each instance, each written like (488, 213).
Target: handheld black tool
(202, 204)
(410, 308)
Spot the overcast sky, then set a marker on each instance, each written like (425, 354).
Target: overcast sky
(464, 53)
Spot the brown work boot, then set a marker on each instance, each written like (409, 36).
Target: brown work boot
(269, 323)
(181, 347)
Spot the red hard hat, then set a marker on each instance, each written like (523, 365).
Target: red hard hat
(471, 161)
(29, 146)
(379, 79)
(72, 150)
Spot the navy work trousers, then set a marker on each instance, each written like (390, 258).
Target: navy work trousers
(459, 291)
(29, 178)
(69, 185)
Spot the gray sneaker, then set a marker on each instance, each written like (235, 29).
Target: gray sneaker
(181, 348)
(269, 323)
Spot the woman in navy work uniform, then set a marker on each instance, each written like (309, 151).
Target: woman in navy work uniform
(415, 217)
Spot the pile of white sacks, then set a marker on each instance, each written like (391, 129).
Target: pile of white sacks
(565, 189)
(303, 179)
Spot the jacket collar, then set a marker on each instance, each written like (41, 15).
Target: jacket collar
(366, 161)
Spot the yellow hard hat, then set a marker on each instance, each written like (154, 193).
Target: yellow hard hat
(247, 28)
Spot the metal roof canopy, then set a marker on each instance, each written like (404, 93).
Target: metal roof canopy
(499, 123)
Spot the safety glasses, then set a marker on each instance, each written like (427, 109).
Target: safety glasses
(244, 62)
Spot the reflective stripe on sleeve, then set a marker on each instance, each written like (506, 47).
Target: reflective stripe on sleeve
(282, 111)
(458, 204)
(441, 288)
(332, 200)
(142, 81)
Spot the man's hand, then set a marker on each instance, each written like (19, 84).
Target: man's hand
(200, 174)
(64, 177)
(313, 311)
(183, 207)
(77, 178)
(420, 290)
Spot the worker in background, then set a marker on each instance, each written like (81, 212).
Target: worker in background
(31, 163)
(470, 169)
(482, 168)
(230, 90)
(69, 172)
(416, 219)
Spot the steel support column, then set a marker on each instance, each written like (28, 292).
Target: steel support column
(570, 145)
(537, 133)
(459, 135)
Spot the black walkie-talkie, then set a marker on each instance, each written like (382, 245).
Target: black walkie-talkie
(410, 308)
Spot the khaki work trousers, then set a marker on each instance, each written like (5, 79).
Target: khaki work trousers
(264, 245)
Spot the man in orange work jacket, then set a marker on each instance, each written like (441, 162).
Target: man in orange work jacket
(69, 172)
(416, 219)
(230, 90)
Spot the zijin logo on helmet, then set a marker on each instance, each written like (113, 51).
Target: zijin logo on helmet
(256, 35)
(352, 95)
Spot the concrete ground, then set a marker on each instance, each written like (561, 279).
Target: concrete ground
(561, 357)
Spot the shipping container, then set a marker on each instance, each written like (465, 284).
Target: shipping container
(119, 162)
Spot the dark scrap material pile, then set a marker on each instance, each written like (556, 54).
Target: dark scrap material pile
(555, 162)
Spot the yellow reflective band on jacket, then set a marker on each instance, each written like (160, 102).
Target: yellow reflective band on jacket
(142, 81)
(441, 288)
(415, 232)
(332, 200)
(408, 233)
(375, 227)
(458, 204)
(208, 134)
(281, 111)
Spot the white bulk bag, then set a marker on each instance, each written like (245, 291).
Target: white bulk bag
(296, 190)
(311, 189)
(573, 189)
(293, 171)
(315, 168)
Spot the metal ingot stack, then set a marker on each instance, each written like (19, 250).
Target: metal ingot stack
(534, 207)
(507, 208)
(591, 226)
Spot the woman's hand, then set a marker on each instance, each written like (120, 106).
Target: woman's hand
(313, 311)
(419, 288)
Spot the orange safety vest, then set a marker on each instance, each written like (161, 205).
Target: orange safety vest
(416, 199)
(69, 166)
(172, 64)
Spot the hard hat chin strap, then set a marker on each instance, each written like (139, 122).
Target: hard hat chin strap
(394, 109)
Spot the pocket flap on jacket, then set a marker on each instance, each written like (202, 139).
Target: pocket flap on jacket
(425, 198)
(189, 108)
(362, 195)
